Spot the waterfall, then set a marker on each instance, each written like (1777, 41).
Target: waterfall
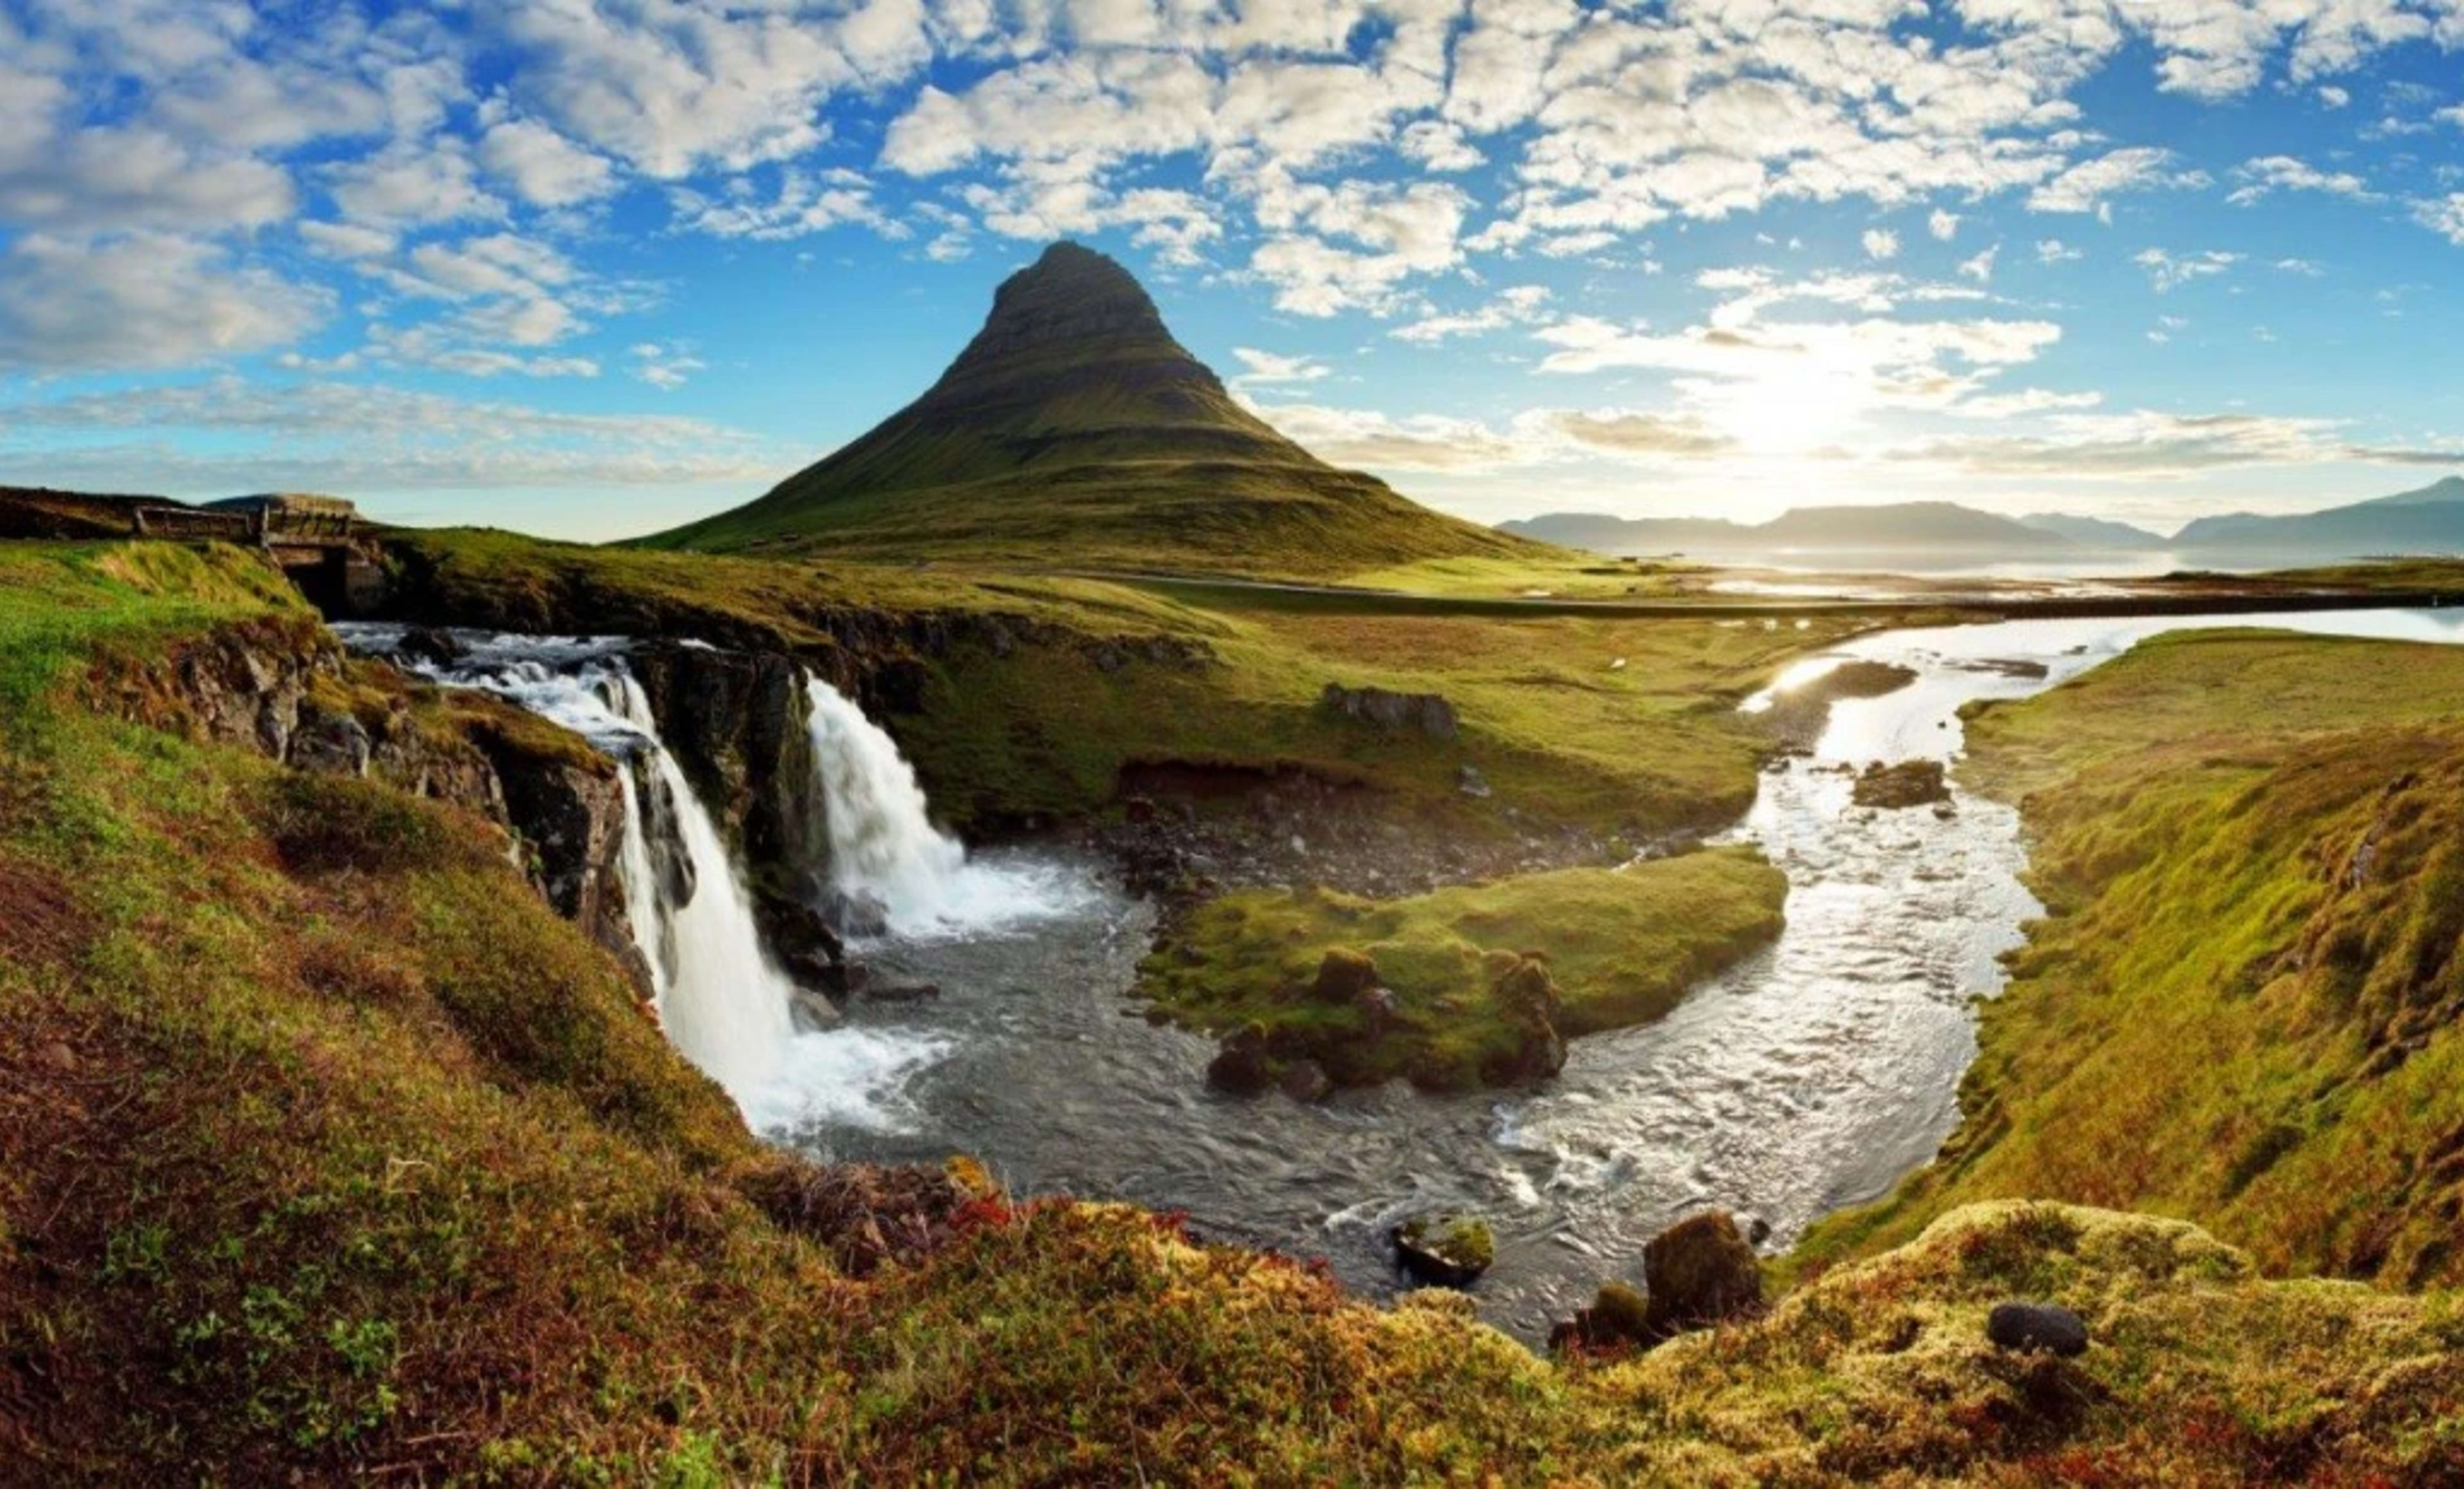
(719, 1000)
(723, 1004)
(885, 854)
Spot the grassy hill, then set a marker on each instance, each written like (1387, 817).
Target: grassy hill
(2243, 1008)
(329, 1154)
(1073, 429)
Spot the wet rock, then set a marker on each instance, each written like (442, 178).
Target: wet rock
(1425, 713)
(1343, 976)
(1307, 1080)
(433, 644)
(811, 1010)
(805, 945)
(2037, 1329)
(855, 916)
(1700, 1273)
(1908, 784)
(1239, 1068)
(1619, 1318)
(1444, 1250)
(1470, 782)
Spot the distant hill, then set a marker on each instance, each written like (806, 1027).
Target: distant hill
(1937, 525)
(1074, 428)
(2094, 532)
(2427, 520)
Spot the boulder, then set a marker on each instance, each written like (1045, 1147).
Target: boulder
(1425, 713)
(2037, 1329)
(1444, 1250)
(1918, 782)
(1470, 782)
(331, 742)
(1307, 1080)
(433, 644)
(1239, 1068)
(1619, 1318)
(1343, 976)
(1700, 1273)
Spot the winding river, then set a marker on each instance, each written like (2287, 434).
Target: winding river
(1810, 1078)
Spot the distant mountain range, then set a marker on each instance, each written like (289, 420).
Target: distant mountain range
(2429, 520)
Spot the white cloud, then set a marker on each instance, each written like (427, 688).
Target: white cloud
(350, 437)
(1981, 267)
(1521, 305)
(1269, 368)
(2054, 250)
(2284, 173)
(2170, 271)
(1881, 244)
(2088, 185)
(1943, 226)
(543, 166)
(2444, 216)
(142, 300)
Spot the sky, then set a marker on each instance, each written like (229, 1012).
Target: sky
(591, 268)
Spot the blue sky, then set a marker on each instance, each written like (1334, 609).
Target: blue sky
(594, 267)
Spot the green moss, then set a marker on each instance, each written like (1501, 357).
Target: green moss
(1621, 947)
(2244, 1007)
(318, 1166)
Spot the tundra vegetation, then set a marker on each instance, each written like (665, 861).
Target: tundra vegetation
(327, 1151)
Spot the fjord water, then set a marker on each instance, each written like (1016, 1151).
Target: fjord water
(1810, 1078)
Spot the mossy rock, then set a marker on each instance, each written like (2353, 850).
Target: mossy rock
(1445, 1250)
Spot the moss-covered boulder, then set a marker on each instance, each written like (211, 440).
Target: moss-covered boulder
(1343, 976)
(1444, 1250)
(1700, 1272)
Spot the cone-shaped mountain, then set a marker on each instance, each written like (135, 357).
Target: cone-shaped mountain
(1073, 428)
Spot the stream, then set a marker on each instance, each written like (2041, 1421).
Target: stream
(1812, 1076)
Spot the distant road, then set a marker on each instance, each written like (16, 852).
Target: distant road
(2227, 597)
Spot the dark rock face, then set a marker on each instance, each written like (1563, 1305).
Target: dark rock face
(735, 723)
(1700, 1273)
(1397, 713)
(1908, 784)
(2038, 1328)
(1444, 1250)
(1307, 1080)
(330, 741)
(433, 644)
(1241, 1066)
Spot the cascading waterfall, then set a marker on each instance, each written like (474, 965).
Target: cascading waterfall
(885, 852)
(723, 1003)
(719, 1000)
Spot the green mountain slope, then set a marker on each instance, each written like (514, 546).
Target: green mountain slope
(1073, 428)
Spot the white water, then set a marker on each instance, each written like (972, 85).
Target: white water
(884, 847)
(720, 1001)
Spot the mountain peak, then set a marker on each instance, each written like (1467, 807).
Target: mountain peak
(1072, 298)
(1074, 424)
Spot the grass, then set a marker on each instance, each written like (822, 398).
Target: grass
(1622, 946)
(2243, 1006)
(1031, 695)
(327, 1153)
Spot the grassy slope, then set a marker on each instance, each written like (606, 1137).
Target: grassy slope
(2243, 1009)
(324, 1151)
(1623, 945)
(1046, 730)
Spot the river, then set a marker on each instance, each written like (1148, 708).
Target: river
(1810, 1078)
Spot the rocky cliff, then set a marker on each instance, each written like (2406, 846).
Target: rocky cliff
(284, 686)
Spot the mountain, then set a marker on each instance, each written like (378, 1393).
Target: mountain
(2093, 532)
(1938, 525)
(2427, 520)
(1073, 428)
